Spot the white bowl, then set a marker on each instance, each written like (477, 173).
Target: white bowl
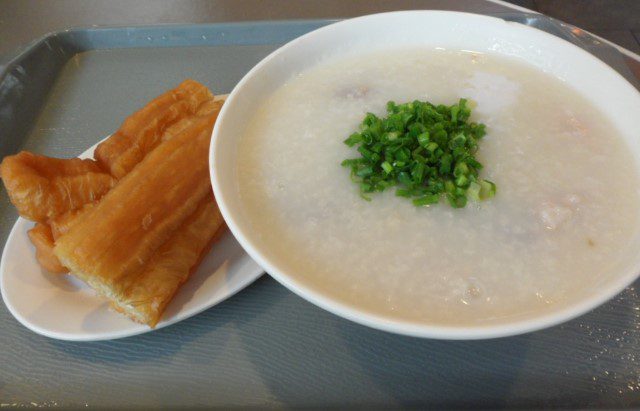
(600, 84)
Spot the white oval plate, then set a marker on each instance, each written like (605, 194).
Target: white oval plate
(63, 307)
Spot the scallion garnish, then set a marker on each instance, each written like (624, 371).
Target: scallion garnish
(426, 150)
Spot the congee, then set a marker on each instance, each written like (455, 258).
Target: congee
(563, 217)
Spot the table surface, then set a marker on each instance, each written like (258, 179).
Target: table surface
(224, 359)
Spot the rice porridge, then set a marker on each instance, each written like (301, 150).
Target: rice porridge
(563, 218)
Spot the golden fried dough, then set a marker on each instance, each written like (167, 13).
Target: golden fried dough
(62, 223)
(135, 223)
(209, 108)
(117, 237)
(41, 238)
(42, 187)
(141, 132)
(144, 296)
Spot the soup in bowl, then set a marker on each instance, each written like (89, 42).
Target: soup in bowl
(560, 236)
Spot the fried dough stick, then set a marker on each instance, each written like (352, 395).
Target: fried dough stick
(42, 187)
(209, 108)
(42, 239)
(117, 237)
(141, 132)
(145, 295)
(62, 223)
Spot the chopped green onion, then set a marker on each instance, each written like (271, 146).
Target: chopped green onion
(432, 147)
(462, 181)
(473, 192)
(366, 188)
(487, 190)
(353, 139)
(404, 178)
(417, 173)
(423, 139)
(402, 192)
(426, 200)
(454, 113)
(364, 172)
(428, 150)
(457, 201)
(392, 136)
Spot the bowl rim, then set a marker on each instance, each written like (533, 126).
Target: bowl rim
(379, 321)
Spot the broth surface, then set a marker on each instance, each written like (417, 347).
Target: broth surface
(563, 219)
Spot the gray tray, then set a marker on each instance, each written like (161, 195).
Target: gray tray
(266, 347)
